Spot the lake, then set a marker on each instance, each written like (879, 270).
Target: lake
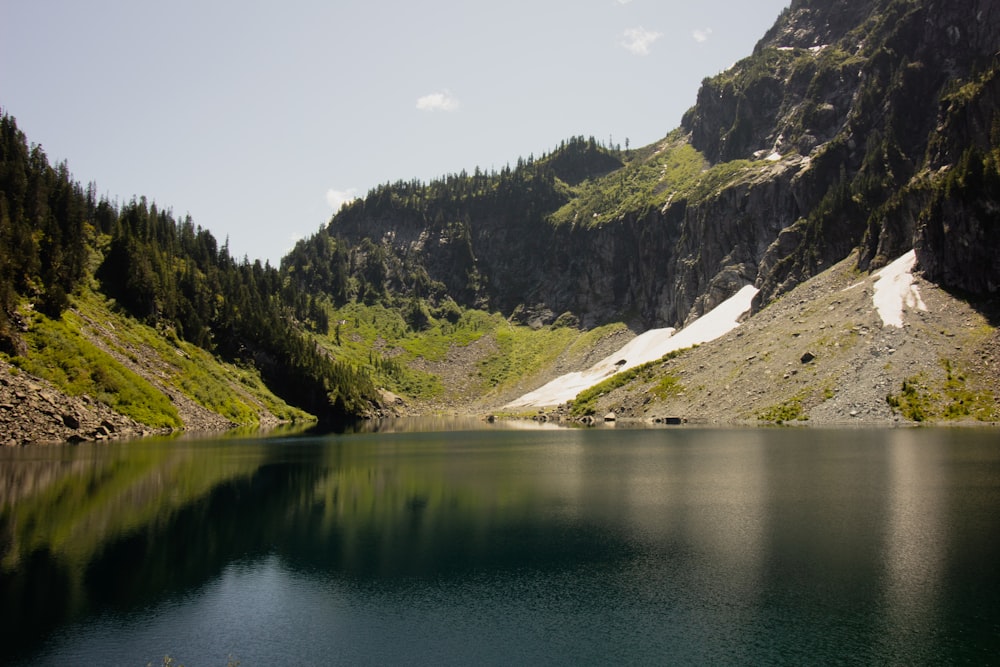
(506, 545)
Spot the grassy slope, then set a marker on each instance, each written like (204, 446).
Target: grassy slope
(651, 177)
(472, 359)
(94, 350)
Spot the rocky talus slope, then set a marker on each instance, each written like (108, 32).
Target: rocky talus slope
(821, 355)
(34, 411)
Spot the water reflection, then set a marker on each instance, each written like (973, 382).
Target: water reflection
(914, 540)
(447, 424)
(690, 545)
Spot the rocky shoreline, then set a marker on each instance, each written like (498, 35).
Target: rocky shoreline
(33, 411)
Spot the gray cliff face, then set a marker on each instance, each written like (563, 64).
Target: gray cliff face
(842, 130)
(867, 114)
(727, 237)
(957, 233)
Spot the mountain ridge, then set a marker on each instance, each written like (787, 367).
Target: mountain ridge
(825, 129)
(854, 133)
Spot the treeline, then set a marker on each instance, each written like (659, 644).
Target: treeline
(46, 221)
(575, 160)
(170, 274)
(350, 260)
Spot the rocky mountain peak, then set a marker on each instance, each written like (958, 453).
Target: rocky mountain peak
(848, 128)
(808, 24)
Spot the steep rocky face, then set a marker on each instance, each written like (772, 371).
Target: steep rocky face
(865, 110)
(957, 233)
(854, 124)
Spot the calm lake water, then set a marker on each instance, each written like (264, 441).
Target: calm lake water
(506, 546)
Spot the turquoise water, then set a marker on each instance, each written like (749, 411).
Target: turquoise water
(506, 546)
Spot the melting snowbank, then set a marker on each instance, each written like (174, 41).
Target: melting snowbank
(894, 287)
(642, 349)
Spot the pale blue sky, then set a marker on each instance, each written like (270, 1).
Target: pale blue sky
(254, 117)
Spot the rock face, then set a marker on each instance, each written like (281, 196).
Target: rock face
(957, 234)
(874, 113)
(842, 130)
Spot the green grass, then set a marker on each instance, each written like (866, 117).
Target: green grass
(523, 352)
(790, 410)
(719, 177)
(914, 400)
(61, 355)
(62, 352)
(646, 182)
(667, 385)
(674, 171)
(378, 337)
(232, 391)
(920, 399)
(585, 402)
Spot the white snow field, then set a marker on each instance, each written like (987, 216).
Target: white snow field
(894, 287)
(644, 348)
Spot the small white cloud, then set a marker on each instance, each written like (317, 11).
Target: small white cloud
(624, 2)
(337, 198)
(701, 35)
(638, 40)
(438, 102)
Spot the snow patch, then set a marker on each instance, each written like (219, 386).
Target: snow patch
(894, 288)
(642, 349)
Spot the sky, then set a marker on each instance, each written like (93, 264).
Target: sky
(258, 119)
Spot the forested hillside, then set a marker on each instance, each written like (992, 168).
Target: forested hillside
(58, 239)
(469, 238)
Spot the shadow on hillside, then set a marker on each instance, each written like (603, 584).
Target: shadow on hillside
(987, 306)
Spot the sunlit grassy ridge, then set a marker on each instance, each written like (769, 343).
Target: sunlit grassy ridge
(229, 390)
(649, 180)
(670, 171)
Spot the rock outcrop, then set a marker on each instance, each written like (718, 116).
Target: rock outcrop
(854, 124)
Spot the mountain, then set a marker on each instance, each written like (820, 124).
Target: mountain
(854, 133)
(147, 314)
(853, 124)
